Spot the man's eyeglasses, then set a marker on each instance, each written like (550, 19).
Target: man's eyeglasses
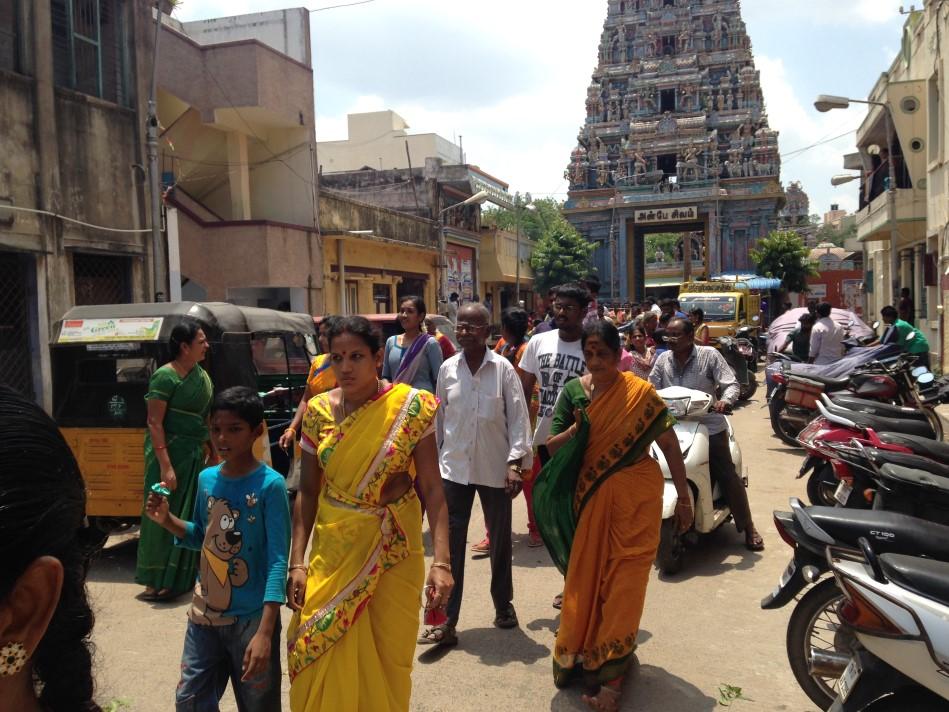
(671, 339)
(468, 328)
(567, 308)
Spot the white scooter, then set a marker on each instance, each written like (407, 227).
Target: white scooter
(711, 510)
(898, 607)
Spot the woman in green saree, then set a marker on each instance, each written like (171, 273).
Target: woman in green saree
(598, 503)
(178, 398)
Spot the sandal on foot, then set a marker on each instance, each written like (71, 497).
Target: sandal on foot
(443, 634)
(147, 595)
(753, 541)
(558, 601)
(606, 700)
(506, 619)
(166, 595)
(482, 547)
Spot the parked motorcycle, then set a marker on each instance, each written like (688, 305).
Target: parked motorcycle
(846, 420)
(819, 647)
(740, 355)
(794, 401)
(711, 510)
(897, 607)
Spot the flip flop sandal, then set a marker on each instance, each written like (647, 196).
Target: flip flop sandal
(166, 596)
(754, 542)
(442, 635)
(147, 596)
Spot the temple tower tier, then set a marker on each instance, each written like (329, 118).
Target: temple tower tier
(676, 139)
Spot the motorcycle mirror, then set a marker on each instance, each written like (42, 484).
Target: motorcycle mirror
(919, 371)
(756, 318)
(925, 379)
(876, 325)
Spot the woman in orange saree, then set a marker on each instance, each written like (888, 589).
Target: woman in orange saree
(320, 379)
(351, 641)
(599, 504)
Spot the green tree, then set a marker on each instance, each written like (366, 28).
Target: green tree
(560, 254)
(784, 256)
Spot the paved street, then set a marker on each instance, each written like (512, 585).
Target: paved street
(702, 629)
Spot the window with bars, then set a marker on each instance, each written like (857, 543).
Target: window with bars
(91, 48)
(101, 279)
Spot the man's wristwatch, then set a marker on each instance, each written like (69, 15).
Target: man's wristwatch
(517, 468)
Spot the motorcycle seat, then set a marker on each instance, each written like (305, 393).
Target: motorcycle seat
(921, 446)
(930, 579)
(917, 478)
(889, 532)
(907, 460)
(833, 384)
(885, 425)
(862, 405)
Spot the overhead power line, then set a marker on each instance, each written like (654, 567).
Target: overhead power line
(348, 4)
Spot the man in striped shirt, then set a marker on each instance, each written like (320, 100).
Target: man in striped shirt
(703, 368)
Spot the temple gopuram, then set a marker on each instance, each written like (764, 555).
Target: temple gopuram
(676, 140)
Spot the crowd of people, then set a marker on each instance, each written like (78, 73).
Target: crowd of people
(388, 432)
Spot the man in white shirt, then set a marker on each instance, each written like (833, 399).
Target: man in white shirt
(553, 358)
(550, 360)
(484, 441)
(827, 339)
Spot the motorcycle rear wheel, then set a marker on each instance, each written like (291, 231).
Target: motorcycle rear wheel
(783, 430)
(814, 624)
(747, 392)
(822, 486)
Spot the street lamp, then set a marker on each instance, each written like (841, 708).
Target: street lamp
(843, 179)
(477, 199)
(527, 205)
(827, 102)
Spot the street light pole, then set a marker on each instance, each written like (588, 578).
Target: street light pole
(159, 274)
(826, 103)
(517, 238)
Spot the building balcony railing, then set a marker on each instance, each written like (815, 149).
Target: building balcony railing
(873, 221)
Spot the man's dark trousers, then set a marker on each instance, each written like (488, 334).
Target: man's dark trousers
(496, 503)
(722, 471)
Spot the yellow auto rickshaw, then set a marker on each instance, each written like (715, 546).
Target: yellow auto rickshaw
(103, 357)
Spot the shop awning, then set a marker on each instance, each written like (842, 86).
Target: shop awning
(753, 281)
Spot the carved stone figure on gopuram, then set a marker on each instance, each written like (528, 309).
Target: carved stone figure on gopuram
(675, 117)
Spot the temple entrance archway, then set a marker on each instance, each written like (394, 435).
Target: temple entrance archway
(670, 266)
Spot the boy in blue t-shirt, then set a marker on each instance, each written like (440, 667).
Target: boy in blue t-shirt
(241, 525)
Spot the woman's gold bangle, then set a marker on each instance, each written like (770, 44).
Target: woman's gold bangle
(291, 429)
(441, 565)
(302, 567)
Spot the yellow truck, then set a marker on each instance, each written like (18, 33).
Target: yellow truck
(728, 306)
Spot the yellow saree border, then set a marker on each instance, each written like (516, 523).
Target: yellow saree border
(328, 624)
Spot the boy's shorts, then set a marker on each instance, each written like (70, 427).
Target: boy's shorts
(213, 655)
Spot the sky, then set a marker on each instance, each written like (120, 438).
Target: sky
(511, 76)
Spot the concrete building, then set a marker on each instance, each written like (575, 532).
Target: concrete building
(909, 91)
(675, 140)
(500, 251)
(835, 216)
(238, 158)
(379, 140)
(372, 256)
(73, 210)
(435, 191)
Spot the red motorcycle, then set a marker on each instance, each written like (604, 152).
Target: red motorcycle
(901, 436)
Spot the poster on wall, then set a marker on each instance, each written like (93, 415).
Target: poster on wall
(461, 271)
(851, 292)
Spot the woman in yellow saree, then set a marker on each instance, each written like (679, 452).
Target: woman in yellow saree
(598, 503)
(351, 641)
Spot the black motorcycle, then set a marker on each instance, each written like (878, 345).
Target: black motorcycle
(741, 356)
(818, 646)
